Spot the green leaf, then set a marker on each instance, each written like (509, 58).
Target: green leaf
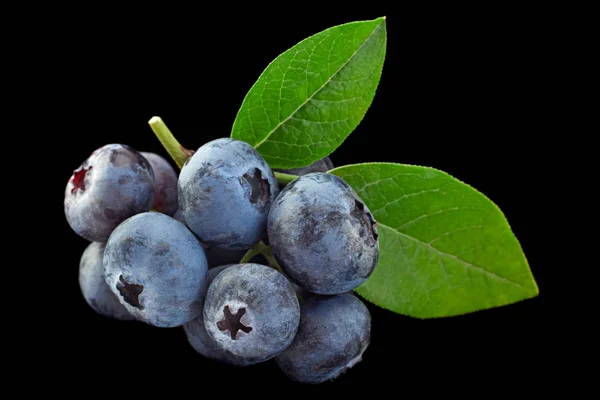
(445, 248)
(310, 98)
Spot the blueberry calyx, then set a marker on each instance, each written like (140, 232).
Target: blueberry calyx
(367, 218)
(130, 292)
(232, 322)
(259, 187)
(79, 178)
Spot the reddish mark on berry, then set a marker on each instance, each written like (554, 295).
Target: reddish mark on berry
(79, 178)
(189, 153)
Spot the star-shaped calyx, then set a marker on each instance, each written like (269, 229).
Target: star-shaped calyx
(78, 178)
(232, 322)
(130, 292)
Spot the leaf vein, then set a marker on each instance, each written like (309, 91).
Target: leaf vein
(408, 195)
(385, 179)
(439, 212)
(282, 81)
(318, 90)
(467, 264)
(454, 231)
(412, 272)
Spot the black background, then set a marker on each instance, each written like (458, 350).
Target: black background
(459, 92)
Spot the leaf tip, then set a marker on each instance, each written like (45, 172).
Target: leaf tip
(535, 289)
(380, 20)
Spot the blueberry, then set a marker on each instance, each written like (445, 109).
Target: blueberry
(251, 311)
(165, 184)
(334, 332)
(202, 342)
(322, 165)
(323, 235)
(113, 184)
(93, 286)
(225, 191)
(157, 269)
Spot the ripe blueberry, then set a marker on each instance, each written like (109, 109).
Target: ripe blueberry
(200, 339)
(93, 286)
(334, 332)
(225, 191)
(323, 235)
(113, 184)
(251, 311)
(165, 184)
(157, 269)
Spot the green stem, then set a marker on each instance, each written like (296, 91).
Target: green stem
(178, 153)
(284, 179)
(268, 253)
(262, 248)
(249, 254)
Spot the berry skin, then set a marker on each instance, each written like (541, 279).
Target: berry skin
(113, 184)
(334, 332)
(214, 255)
(157, 269)
(178, 215)
(93, 286)
(202, 342)
(165, 184)
(225, 191)
(323, 235)
(322, 165)
(251, 311)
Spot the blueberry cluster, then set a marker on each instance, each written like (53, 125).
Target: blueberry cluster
(167, 250)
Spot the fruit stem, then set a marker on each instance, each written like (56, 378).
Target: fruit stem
(261, 248)
(284, 179)
(268, 253)
(178, 153)
(249, 254)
